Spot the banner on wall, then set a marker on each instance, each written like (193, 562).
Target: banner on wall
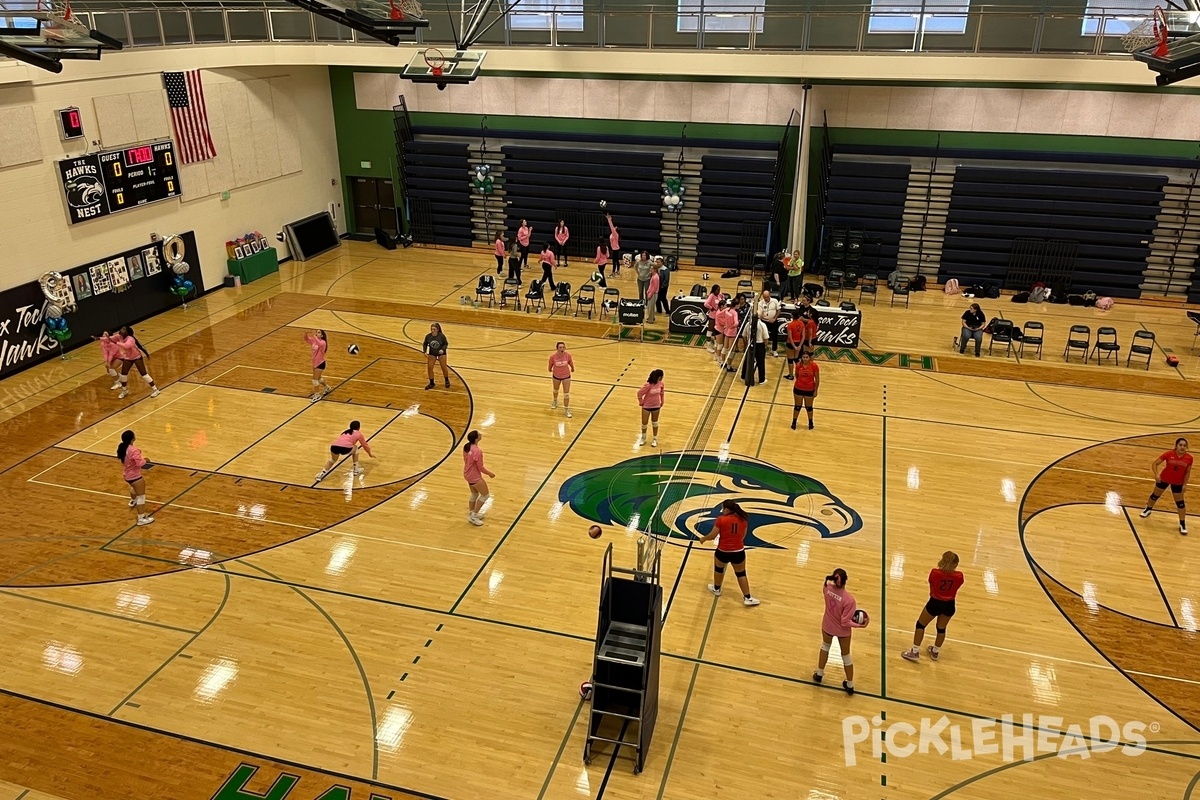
(116, 290)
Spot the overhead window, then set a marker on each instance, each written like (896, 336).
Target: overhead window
(542, 15)
(720, 16)
(932, 16)
(1116, 19)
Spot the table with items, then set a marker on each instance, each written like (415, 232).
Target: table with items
(835, 327)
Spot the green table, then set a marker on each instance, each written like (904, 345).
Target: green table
(255, 266)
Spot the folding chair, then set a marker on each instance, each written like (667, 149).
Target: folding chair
(1078, 338)
(746, 288)
(486, 288)
(511, 291)
(1032, 333)
(823, 303)
(1143, 345)
(900, 290)
(869, 285)
(1002, 333)
(1106, 343)
(586, 299)
(610, 300)
(834, 281)
(535, 298)
(561, 298)
(1194, 316)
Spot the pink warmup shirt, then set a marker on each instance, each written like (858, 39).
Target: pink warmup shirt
(352, 438)
(839, 611)
(650, 396)
(652, 288)
(319, 346)
(614, 238)
(601, 256)
(108, 350)
(500, 248)
(473, 464)
(561, 365)
(562, 234)
(713, 303)
(523, 235)
(727, 322)
(134, 461)
(548, 258)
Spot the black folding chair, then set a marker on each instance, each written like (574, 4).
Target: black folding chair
(1143, 345)
(869, 285)
(1078, 338)
(486, 288)
(586, 299)
(1032, 334)
(1106, 343)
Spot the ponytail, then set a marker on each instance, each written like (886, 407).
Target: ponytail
(735, 509)
(123, 447)
(472, 438)
(949, 561)
(838, 578)
(354, 426)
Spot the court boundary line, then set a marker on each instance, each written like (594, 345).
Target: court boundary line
(1154, 574)
(562, 748)
(96, 611)
(884, 572)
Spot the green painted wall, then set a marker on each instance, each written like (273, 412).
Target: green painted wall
(361, 136)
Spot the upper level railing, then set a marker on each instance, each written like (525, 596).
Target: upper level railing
(691, 25)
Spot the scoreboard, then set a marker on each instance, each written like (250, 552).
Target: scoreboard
(103, 183)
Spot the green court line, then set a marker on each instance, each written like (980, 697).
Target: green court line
(529, 502)
(561, 749)
(184, 646)
(99, 613)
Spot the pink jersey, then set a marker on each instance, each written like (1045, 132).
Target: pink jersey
(650, 396)
(319, 346)
(561, 365)
(652, 288)
(727, 322)
(126, 347)
(548, 258)
(108, 350)
(839, 611)
(473, 464)
(712, 304)
(133, 463)
(601, 255)
(523, 235)
(562, 234)
(352, 438)
(614, 238)
(500, 248)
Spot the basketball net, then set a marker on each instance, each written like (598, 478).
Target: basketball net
(394, 11)
(61, 19)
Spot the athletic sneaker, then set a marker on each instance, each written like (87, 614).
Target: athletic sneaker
(568, 413)
(1183, 529)
(810, 425)
(641, 440)
(145, 520)
(359, 470)
(116, 385)
(716, 591)
(849, 689)
(317, 396)
(429, 385)
(328, 389)
(818, 677)
(911, 655)
(654, 442)
(447, 383)
(475, 519)
(750, 601)
(132, 502)
(155, 393)
(321, 475)
(933, 652)
(793, 425)
(554, 404)
(124, 393)
(1145, 513)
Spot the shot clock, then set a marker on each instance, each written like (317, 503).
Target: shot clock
(99, 184)
(70, 125)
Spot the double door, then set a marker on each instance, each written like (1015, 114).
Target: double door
(374, 205)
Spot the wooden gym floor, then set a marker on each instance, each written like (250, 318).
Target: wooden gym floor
(360, 639)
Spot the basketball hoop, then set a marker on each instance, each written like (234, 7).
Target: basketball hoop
(405, 9)
(435, 60)
(1153, 30)
(1161, 32)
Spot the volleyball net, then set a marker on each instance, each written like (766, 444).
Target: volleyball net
(684, 481)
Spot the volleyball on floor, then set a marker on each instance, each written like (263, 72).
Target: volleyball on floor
(585, 690)
(861, 618)
(595, 531)
(352, 349)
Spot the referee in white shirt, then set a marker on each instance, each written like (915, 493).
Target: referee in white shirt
(757, 333)
(767, 308)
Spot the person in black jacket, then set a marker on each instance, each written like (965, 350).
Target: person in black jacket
(973, 321)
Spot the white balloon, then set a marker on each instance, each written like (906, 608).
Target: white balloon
(666, 199)
(674, 199)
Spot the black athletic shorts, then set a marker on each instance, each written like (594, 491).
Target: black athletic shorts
(320, 366)
(1176, 488)
(340, 451)
(734, 557)
(940, 608)
(801, 393)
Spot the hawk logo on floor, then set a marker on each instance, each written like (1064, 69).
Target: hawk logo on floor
(677, 495)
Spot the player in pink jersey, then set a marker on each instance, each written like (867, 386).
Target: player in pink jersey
(561, 367)
(650, 398)
(473, 472)
(132, 464)
(500, 252)
(112, 358)
(614, 244)
(347, 444)
(562, 235)
(130, 352)
(319, 344)
(838, 621)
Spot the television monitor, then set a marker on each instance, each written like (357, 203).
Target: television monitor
(311, 236)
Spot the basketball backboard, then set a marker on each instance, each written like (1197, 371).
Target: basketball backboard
(444, 67)
(43, 35)
(385, 20)
(1180, 62)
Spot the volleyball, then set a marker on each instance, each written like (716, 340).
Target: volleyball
(352, 349)
(604, 204)
(595, 531)
(861, 618)
(585, 690)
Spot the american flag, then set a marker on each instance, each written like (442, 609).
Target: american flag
(185, 95)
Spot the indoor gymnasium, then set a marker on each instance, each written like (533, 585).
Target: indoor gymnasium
(555, 400)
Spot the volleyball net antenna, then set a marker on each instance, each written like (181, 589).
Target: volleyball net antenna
(681, 501)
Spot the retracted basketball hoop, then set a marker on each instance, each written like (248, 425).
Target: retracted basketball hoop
(1161, 33)
(436, 61)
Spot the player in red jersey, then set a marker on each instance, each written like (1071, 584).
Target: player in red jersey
(729, 529)
(810, 331)
(944, 582)
(793, 341)
(1176, 470)
(808, 382)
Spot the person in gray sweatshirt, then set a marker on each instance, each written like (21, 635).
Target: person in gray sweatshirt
(643, 266)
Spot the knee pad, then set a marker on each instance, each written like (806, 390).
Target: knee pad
(920, 626)
(113, 372)
(483, 498)
(941, 631)
(474, 497)
(847, 661)
(741, 574)
(824, 647)
(566, 395)
(141, 500)
(797, 408)
(719, 570)
(1179, 504)
(148, 379)
(123, 378)
(316, 383)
